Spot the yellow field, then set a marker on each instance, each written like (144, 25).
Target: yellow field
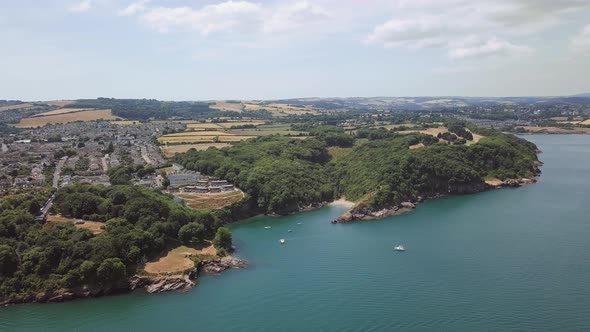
(63, 111)
(585, 122)
(210, 201)
(171, 150)
(556, 130)
(178, 260)
(93, 115)
(225, 106)
(278, 109)
(59, 103)
(337, 152)
(15, 107)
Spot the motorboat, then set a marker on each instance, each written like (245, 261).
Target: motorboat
(399, 247)
(282, 241)
(267, 227)
(289, 231)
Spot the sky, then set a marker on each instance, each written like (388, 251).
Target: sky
(270, 49)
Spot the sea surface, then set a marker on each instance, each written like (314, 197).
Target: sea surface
(509, 259)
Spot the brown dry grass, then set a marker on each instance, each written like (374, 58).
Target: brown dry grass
(93, 115)
(556, 130)
(225, 106)
(15, 107)
(416, 146)
(59, 103)
(171, 150)
(63, 111)
(210, 201)
(178, 260)
(93, 226)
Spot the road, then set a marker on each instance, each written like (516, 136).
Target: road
(57, 172)
(105, 164)
(145, 156)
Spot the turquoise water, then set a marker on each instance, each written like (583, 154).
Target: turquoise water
(511, 259)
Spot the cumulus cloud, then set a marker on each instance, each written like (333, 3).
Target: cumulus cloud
(133, 9)
(229, 16)
(81, 6)
(581, 41)
(455, 24)
(294, 16)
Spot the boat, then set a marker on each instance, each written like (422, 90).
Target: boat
(298, 223)
(282, 241)
(267, 227)
(399, 247)
(289, 231)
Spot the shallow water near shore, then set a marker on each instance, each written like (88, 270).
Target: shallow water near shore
(509, 259)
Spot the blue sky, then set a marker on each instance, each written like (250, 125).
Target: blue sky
(202, 50)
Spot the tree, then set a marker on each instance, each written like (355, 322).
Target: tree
(223, 239)
(192, 232)
(111, 271)
(8, 261)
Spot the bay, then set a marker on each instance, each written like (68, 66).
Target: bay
(510, 259)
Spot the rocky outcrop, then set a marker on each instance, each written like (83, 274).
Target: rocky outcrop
(222, 264)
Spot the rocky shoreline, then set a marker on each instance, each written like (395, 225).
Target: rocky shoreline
(360, 212)
(151, 284)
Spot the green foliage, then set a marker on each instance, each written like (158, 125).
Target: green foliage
(145, 109)
(223, 239)
(140, 223)
(279, 174)
(111, 271)
(191, 233)
(390, 173)
(8, 261)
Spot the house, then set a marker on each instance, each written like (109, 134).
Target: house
(182, 179)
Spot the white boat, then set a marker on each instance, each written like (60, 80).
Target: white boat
(298, 223)
(267, 227)
(399, 247)
(282, 241)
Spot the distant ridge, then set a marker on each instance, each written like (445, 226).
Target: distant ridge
(582, 95)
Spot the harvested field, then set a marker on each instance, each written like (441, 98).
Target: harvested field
(210, 201)
(93, 226)
(556, 130)
(63, 111)
(278, 109)
(176, 260)
(416, 146)
(39, 121)
(171, 150)
(125, 123)
(59, 103)
(223, 105)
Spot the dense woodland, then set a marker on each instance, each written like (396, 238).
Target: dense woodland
(145, 109)
(139, 224)
(282, 175)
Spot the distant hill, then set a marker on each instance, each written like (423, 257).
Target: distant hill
(582, 95)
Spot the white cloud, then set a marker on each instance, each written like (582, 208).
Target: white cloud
(81, 6)
(581, 41)
(133, 9)
(467, 28)
(230, 16)
(294, 16)
(492, 46)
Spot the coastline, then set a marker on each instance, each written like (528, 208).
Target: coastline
(151, 284)
(362, 213)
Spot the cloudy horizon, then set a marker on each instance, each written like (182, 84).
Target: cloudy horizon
(205, 50)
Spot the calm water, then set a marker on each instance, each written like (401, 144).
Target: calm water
(513, 259)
